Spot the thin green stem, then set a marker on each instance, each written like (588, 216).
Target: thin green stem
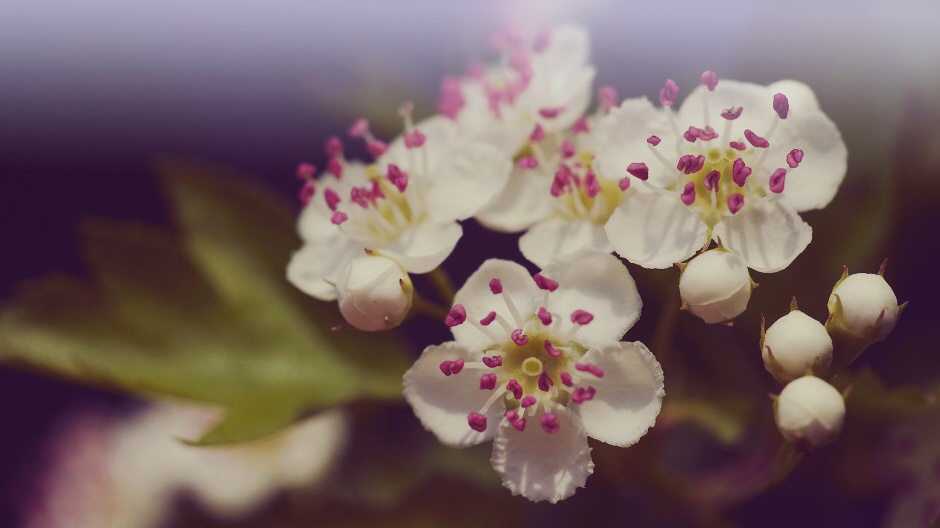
(422, 306)
(443, 285)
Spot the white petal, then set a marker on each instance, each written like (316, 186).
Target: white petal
(442, 403)
(317, 266)
(423, 247)
(597, 282)
(767, 236)
(559, 236)
(525, 200)
(655, 230)
(479, 301)
(474, 176)
(542, 466)
(628, 397)
(619, 139)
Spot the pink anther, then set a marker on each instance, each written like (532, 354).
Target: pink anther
(545, 316)
(587, 367)
(451, 99)
(414, 138)
(692, 134)
(580, 126)
(493, 361)
(735, 202)
(451, 367)
(688, 194)
(710, 80)
(496, 286)
(305, 171)
(477, 421)
(697, 163)
(549, 423)
(333, 147)
(538, 133)
(332, 199)
(552, 351)
(708, 134)
(527, 162)
(756, 140)
(669, 93)
(514, 388)
(591, 186)
(653, 140)
(545, 283)
(781, 105)
(551, 113)
(334, 166)
(488, 381)
(527, 402)
(639, 171)
(339, 217)
(376, 148)
(456, 316)
(541, 41)
(488, 319)
(545, 382)
(794, 158)
(608, 98)
(581, 317)
(359, 128)
(397, 177)
(737, 145)
(711, 180)
(732, 113)
(583, 394)
(567, 148)
(307, 191)
(740, 172)
(777, 180)
(566, 379)
(624, 183)
(519, 338)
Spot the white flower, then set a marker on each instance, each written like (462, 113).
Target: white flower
(404, 207)
(536, 367)
(374, 293)
(795, 345)
(715, 286)
(128, 473)
(809, 412)
(735, 164)
(863, 309)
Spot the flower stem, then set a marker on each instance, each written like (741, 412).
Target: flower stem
(422, 306)
(442, 284)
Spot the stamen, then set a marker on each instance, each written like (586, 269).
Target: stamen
(691, 135)
(639, 171)
(583, 394)
(307, 191)
(488, 381)
(566, 379)
(493, 361)
(397, 177)
(545, 283)
(527, 402)
(414, 139)
(496, 286)
(732, 113)
(488, 319)
(699, 162)
(625, 183)
(333, 147)
(305, 171)
(669, 93)
(451, 367)
(708, 134)
(587, 367)
(737, 145)
(359, 128)
(457, 315)
(794, 158)
(551, 113)
(567, 148)
(710, 80)
(545, 316)
(528, 162)
(653, 140)
(735, 202)
(545, 382)
(332, 199)
(519, 338)
(756, 140)
(607, 96)
(339, 217)
(451, 100)
(581, 317)
(580, 125)
(781, 105)
(777, 180)
(514, 387)
(538, 134)
(552, 351)
(591, 186)
(549, 423)
(688, 194)
(376, 148)
(711, 180)
(335, 167)
(477, 421)
(740, 172)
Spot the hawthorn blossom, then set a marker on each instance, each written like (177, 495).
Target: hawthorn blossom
(129, 472)
(537, 367)
(405, 206)
(737, 162)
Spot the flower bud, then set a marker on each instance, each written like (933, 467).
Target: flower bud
(795, 345)
(809, 412)
(715, 286)
(374, 293)
(862, 310)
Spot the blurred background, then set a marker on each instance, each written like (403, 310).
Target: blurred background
(92, 93)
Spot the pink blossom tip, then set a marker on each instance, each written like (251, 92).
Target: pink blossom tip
(545, 317)
(305, 171)
(397, 177)
(587, 367)
(496, 286)
(735, 202)
(732, 113)
(538, 134)
(608, 98)
(545, 283)
(710, 80)
(488, 381)
(756, 140)
(794, 158)
(639, 171)
(580, 126)
(583, 394)
(777, 180)
(781, 105)
(711, 180)
(528, 162)
(688, 194)
(669, 93)
(519, 338)
(451, 367)
(488, 319)
(545, 382)
(740, 172)
(551, 113)
(493, 361)
(414, 139)
(624, 183)
(339, 217)
(653, 140)
(514, 388)
(581, 317)
(333, 147)
(477, 421)
(307, 191)
(549, 423)
(359, 128)
(457, 315)
(550, 348)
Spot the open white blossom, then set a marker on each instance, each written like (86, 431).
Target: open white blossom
(737, 162)
(537, 366)
(405, 206)
(128, 473)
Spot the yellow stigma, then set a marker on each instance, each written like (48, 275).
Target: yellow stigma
(532, 366)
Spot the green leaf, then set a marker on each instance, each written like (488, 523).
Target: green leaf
(203, 314)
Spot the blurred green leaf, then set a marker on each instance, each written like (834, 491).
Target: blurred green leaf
(205, 314)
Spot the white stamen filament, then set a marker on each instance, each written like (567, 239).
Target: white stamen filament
(512, 310)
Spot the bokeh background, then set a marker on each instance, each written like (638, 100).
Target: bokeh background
(92, 93)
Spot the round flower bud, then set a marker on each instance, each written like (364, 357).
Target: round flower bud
(809, 412)
(795, 345)
(374, 293)
(862, 310)
(715, 286)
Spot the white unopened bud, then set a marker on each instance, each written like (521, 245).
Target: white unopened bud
(862, 310)
(809, 412)
(374, 293)
(715, 286)
(796, 345)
